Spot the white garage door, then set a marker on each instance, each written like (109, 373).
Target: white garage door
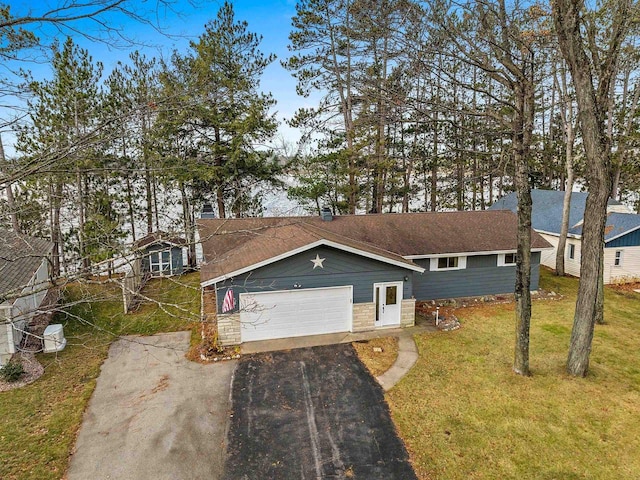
(294, 313)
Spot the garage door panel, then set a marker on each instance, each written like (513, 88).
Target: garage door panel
(293, 313)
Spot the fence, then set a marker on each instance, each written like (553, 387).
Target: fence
(132, 283)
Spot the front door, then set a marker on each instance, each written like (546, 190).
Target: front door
(387, 297)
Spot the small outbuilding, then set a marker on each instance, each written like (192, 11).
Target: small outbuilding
(161, 254)
(24, 284)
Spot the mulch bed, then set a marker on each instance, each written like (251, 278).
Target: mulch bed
(32, 371)
(626, 287)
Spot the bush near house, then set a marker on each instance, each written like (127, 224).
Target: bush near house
(11, 372)
(40, 421)
(463, 414)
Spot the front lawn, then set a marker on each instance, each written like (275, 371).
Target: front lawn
(463, 414)
(40, 421)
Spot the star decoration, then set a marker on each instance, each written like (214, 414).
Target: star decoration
(317, 262)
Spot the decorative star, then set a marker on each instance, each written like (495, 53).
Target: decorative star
(317, 262)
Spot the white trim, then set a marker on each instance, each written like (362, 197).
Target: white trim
(305, 248)
(399, 299)
(571, 251)
(266, 292)
(502, 259)
(433, 263)
(622, 234)
(556, 234)
(469, 254)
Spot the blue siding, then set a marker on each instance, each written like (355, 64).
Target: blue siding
(340, 268)
(481, 277)
(629, 240)
(177, 264)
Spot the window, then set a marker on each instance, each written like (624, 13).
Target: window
(448, 263)
(160, 262)
(572, 251)
(618, 259)
(392, 295)
(506, 259)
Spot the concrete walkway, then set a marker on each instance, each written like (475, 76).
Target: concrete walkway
(407, 350)
(407, 357)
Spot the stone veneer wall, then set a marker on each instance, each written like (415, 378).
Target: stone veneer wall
(229, 329)
(408, 313)
(364, 317)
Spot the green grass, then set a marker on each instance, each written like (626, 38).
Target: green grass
(40, 421)
(464, 415)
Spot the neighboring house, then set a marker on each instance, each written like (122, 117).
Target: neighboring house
(284, 277)
(622, 235)
(24, 282)
(161, 254)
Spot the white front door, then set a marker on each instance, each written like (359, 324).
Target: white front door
(387, 297)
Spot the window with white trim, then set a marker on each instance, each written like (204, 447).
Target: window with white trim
(448, 263)
(617, 261)
(506, 259)
(572, 251)
(160, 262)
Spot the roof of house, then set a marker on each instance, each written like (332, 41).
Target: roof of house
(546, 214)
(230, 245)
(159, 237)
(20, 258)
(618, 224)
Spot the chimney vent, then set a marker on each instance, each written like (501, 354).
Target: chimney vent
(326, 214)
(207, 211)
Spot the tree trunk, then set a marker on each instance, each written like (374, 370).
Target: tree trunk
(148, 196)
(566, 113)
(592, 103)
(11, 202)
(522, 140)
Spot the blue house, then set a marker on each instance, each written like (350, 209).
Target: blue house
(622, 233)
(270, 278)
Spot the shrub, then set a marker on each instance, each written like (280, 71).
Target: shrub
(11, 372)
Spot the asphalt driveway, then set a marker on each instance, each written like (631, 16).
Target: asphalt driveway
(312, 413)
(154, 415)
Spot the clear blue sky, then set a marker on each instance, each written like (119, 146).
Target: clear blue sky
(269, 18)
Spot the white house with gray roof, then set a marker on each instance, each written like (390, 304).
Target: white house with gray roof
(621, 241)
(24, 283)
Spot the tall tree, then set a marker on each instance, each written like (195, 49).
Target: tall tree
(65, 110)
(215, 118)
(501, 41)
(323, 60)
(592, 53)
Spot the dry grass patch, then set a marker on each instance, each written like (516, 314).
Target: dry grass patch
(377, 362)
(463, 414)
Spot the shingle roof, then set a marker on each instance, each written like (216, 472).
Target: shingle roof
(20, 257)
(546, 214)
(617, 225)
(159, 237)
(232, 244)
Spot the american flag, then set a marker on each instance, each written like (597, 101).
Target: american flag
(229, 302)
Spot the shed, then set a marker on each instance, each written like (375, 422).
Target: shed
(161, 254)
(24, 283)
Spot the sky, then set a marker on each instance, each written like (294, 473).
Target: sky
(183, 22)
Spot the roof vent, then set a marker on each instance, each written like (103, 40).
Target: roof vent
(326, 214)
(207, 211)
